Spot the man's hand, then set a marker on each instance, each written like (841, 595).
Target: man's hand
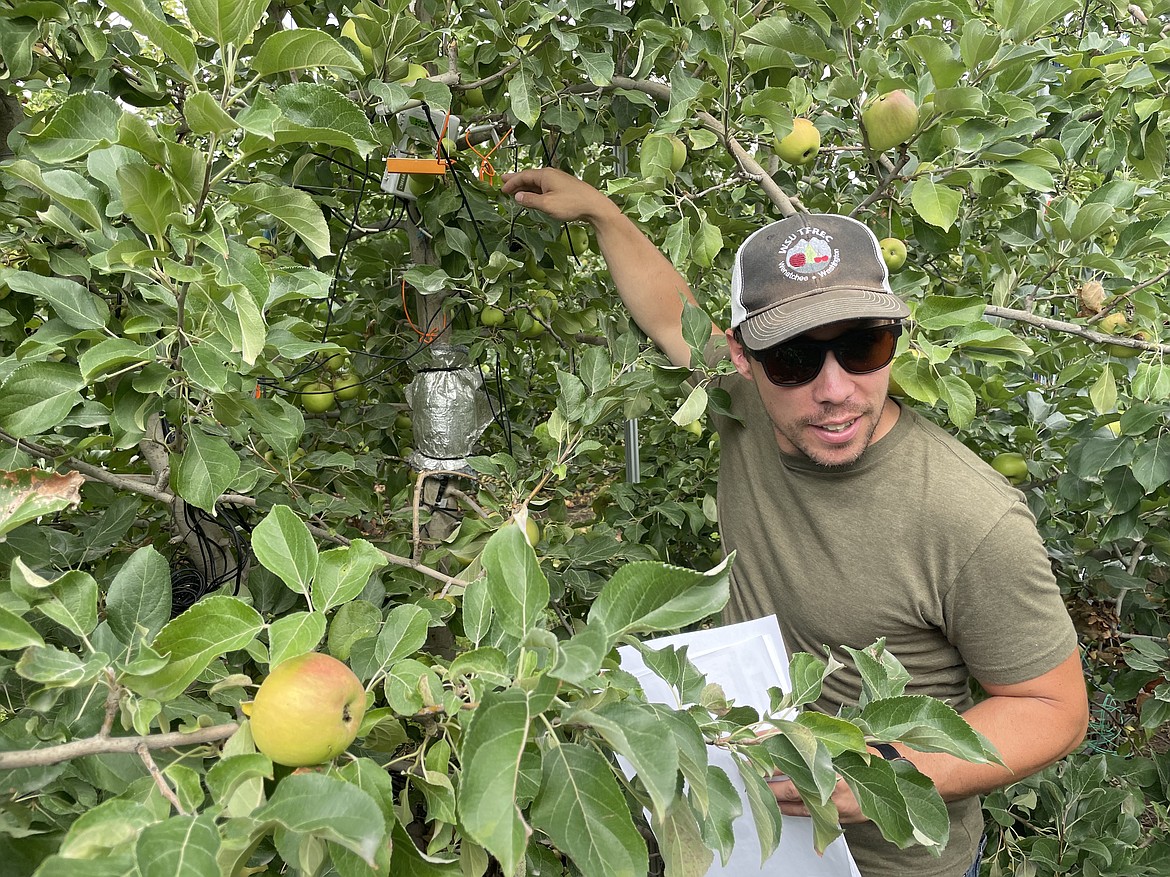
(556, 193)
(791, 804)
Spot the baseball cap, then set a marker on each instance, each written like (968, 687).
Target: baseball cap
(806, 271)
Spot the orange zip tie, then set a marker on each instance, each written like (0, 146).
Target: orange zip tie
(427, 336)
(487, 172)
(439, 143)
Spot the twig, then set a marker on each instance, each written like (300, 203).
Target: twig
(1073, 329)
(751, 168)
(1122, 297)
(99, 745)
(160, 780)
(418, 486)
(93, 473)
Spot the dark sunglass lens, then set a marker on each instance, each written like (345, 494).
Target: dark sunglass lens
(793, 363)
(866, 350)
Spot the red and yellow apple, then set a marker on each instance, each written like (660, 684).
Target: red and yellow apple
(890, 120)
(307, 710)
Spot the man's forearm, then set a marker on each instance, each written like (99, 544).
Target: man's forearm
(1030, 732)
(651, 287)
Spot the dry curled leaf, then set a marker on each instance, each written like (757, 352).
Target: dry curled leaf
(27, 494)
(1091, 296)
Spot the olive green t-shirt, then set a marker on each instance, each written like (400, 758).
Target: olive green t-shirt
(920, 542)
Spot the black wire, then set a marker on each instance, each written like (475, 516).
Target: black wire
(548, 161)
(458, 184)
(357, 203)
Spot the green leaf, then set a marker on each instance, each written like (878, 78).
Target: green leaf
(876, 788)
(329, 808)
(300, 50)
(294, 208)
(70, 599)
(1103, 393)
(490, 758)
(960, 399)
(706, 244)
(582, 810)
(518, 590)
(635, 733)
(27, 494)
(580, 657)
(1151, 464)
(72, 302)
(149, 198)
(936, 204)
(680, 841)
(762, 802)
(67, 188)
(212, 627)
(650, 596)
(228, 22)
(724, 806)
(57, 668)
(598, 66)
(104, 828)
(944, 312)
(926, 724)
(283, 545)
(692, 407)
(1022, 19)
(206, 469)
(83, 123)
(294, 634)
(16, 633)
(138, 602)
(342, 573)
(113, 354)
(173, 43)
(204, 115)
(524, 99)
(182, 846)
(402, 635)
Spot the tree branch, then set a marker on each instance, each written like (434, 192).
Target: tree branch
(101, 745)
(747, 163)
(1073, 329)
(91, 472)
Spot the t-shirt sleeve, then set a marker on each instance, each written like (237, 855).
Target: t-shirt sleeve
(1004, 612)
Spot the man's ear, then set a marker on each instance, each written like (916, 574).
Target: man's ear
(739, 357)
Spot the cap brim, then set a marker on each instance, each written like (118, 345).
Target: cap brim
(786, 321)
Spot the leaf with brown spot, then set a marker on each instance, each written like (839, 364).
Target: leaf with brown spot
(27, 494)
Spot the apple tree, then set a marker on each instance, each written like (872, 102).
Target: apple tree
(212, 313)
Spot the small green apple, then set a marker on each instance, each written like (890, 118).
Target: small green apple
(579, 237)
(492, 317)
(317, 397)
(889, 120)
(893, 253)
(419, 184)
(1011, 465)
(346, 387)
(678, 155)
(473, 97)
(799, 146)
(414, 72)
(307, 711)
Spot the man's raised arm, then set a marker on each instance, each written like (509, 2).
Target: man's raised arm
(649, 285)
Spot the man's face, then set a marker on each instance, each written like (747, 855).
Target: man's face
(833, 418)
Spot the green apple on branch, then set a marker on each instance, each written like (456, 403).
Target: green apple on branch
(889, 120)
(307, 710)
(893, 253)
(801, 144)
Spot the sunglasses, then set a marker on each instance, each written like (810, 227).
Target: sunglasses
(858, 351)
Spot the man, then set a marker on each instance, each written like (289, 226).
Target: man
(854, 518)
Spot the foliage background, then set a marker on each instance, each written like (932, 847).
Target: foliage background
(191, 223)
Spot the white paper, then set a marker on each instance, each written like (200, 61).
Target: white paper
(746, 660)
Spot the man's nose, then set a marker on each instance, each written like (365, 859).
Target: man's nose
(833, 384)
